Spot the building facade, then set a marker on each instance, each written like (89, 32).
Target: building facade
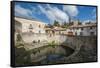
(55, 31)
(29, 25)
(82, 30)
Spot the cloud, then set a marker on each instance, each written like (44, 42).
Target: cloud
(20, 11)
(54, 13)
(71, 10)
(87, 21)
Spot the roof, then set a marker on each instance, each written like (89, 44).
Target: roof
(84, 26)
(56, 29)
(27, 18)
(20, 19)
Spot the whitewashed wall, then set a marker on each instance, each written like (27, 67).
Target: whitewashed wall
(29, 37)
(85, 31)
(35, 24)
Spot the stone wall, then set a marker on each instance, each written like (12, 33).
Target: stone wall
(72, 42)
(29, 37)
(85, 47)
(85, 51)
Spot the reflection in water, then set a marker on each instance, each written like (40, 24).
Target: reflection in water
(54, 54)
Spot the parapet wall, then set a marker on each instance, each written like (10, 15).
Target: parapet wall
(29, 37)
(72, 42)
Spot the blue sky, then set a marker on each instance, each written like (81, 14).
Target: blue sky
(48, 13)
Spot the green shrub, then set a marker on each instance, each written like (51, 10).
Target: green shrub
(53, 44)
(19, 38)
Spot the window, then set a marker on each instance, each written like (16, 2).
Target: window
(59, 32)
(30, 26)
(39, 26)
(77, 28)
(75, 33)
(81, 28)
(92, 33)
(81, 33)
(91, 28)
(39, 31)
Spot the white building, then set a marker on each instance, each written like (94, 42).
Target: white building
(55, 30)
(29, 25)
(82, 30)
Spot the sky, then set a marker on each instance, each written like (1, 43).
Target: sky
(48, 13)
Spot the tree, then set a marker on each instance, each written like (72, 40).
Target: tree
(56, 23)
(19, 38)
(50, 26)
(71, 23)
(65, 25)
(80, 23)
